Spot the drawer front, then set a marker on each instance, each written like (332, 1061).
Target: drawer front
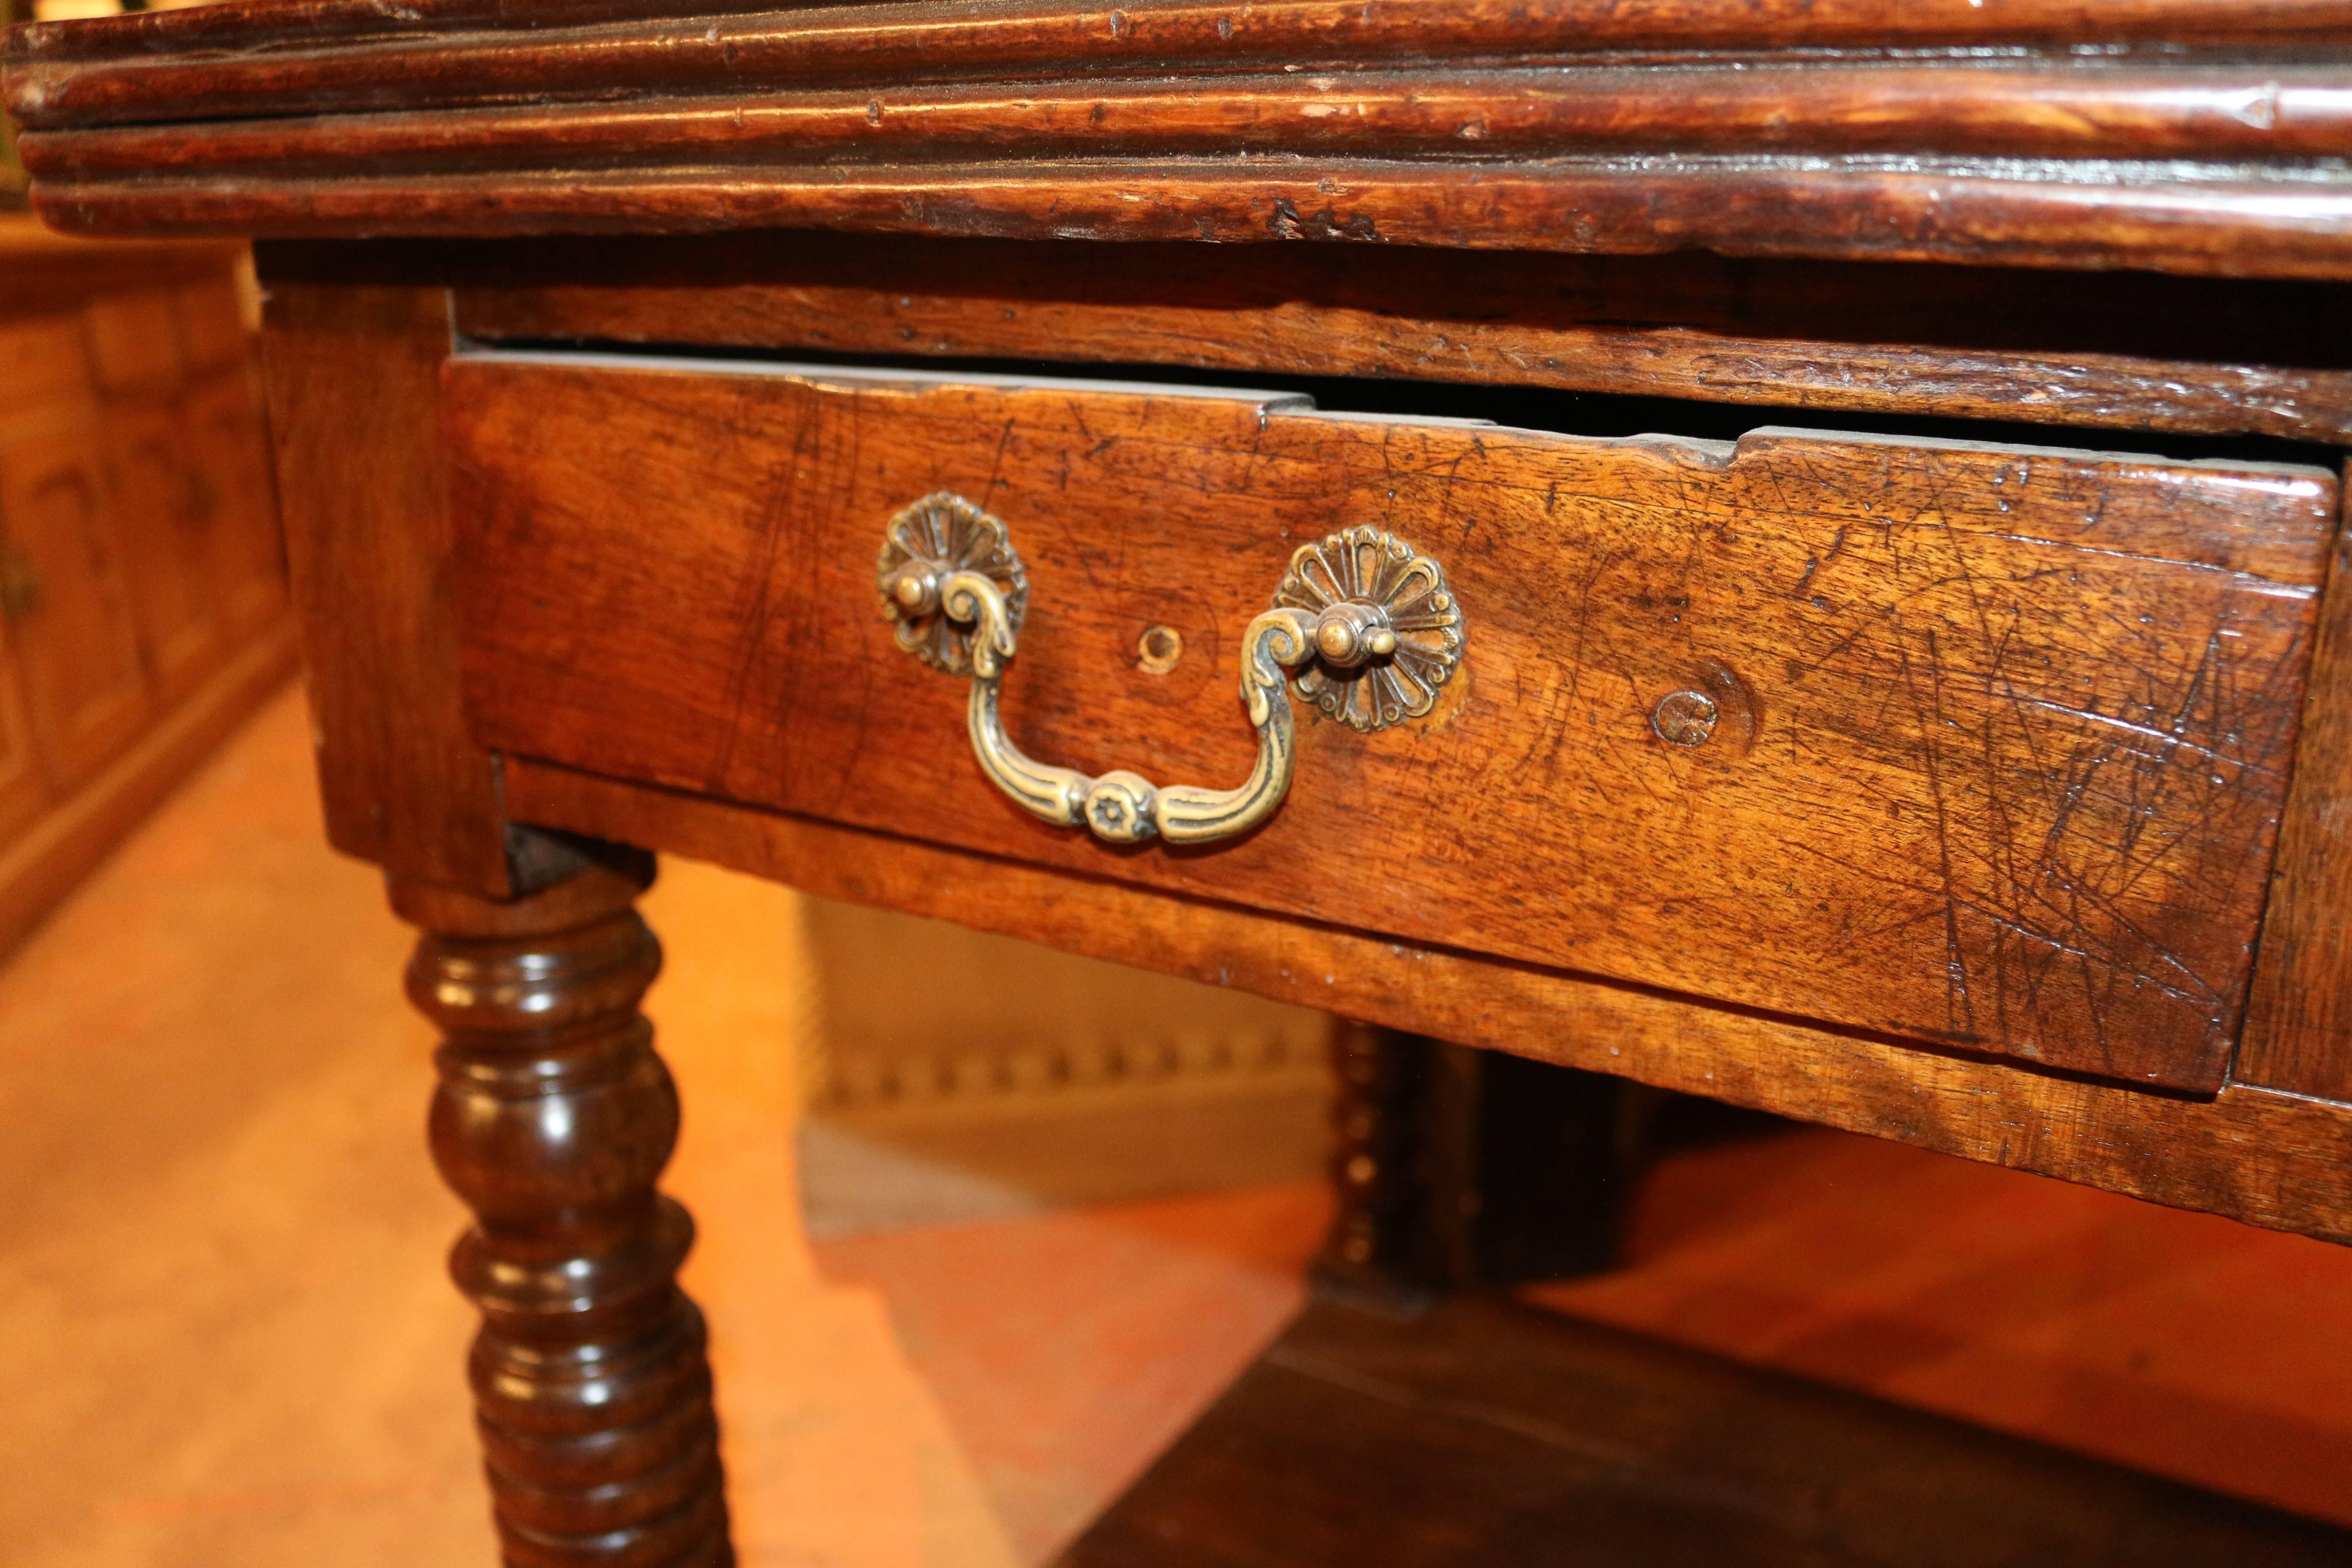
(1999, 736)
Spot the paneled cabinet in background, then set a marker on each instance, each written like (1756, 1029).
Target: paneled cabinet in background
(68, 606)
(22, 796)
(139, 369)
(142, 584)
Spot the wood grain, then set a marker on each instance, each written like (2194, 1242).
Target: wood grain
(1484, 1432)
(2224, 223)
(2299, 1018)
(2279, 1160)
(354, 411)
(70, 75)
(1562, 125)
(2222, 113)
(1663, 22)
(553, 1119)
(2005, 729)
(2128, 350)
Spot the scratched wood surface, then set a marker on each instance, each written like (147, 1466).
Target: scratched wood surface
(2280, 1160)
(2004, 731)
(2136, 350)
(1267, 31)
(1976, 133)
(355, 418)
(2299, 1015)
(248, 64)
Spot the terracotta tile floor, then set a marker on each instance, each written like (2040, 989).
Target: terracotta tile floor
(1059, 1409)
(220, 1284)
(220, 1280)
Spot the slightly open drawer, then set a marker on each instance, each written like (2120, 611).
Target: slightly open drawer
(2000, 735)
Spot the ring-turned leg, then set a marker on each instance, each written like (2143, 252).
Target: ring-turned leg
(551, 1120)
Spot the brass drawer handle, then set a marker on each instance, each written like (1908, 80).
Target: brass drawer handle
(1366, 623)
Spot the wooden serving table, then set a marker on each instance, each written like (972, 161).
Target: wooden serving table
(1777, 549)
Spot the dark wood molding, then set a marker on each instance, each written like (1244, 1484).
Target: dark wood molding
(2047, 109)
(2088, 216)
(1558, 126)
(2131, 351)
(256, 62)
(291, 25)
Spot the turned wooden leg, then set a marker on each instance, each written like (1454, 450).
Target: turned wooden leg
(551, 1120)
(1457, 1168)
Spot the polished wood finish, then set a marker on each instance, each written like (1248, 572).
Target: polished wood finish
(353, 392)
(2281, 1161)
(2134, 351)
(1950, 798)
(1630, 24)
(1484, 1433)
(2299, 1018)
(2039, 110)
(1977, 859)
(2212, 227)
(553, 1119)
(1467, 123)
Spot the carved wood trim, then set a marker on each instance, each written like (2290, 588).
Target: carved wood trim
(1554, 126)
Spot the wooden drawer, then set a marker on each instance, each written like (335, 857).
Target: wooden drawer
(2001, 734)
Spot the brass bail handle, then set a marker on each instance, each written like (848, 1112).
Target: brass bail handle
(1363, 626)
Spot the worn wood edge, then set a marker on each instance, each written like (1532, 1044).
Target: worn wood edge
(2103, 390)
(134, 35)
(41, 869)
(354, 380)
(2133, 217)
(162, 71)
(2298, 1030)
(2209, 113)
(504, 403)
(2279, 1160)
